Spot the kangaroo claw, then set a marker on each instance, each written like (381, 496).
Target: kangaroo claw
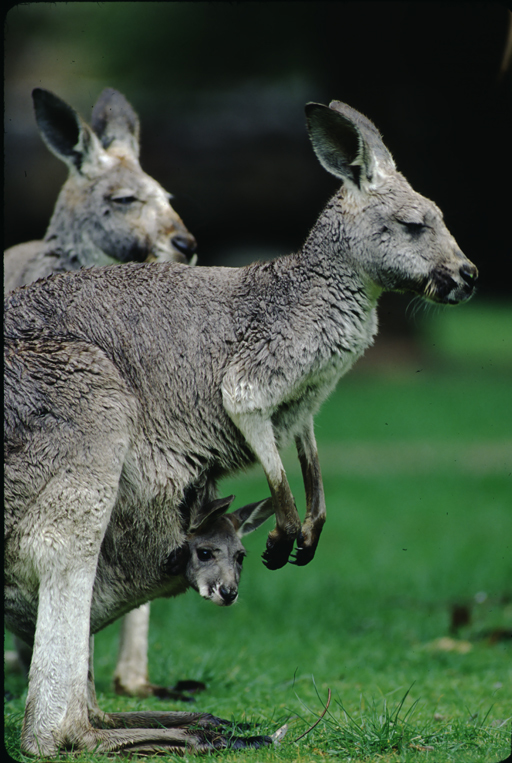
(304, 553)
(302, 556)
(277, 553)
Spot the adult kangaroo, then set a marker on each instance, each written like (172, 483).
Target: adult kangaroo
(130, 387)
(108, 210)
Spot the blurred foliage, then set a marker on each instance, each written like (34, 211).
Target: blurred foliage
(123, 41)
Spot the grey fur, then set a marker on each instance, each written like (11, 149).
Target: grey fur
(108, 209)
(130, 390)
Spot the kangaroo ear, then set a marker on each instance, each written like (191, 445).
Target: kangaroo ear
(115, 122)
(250, 517)
(346, 143)
(208, 511)
(66, 134)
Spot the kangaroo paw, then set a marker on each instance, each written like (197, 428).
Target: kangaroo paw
(302, 556)
(277, 552)
(304, 552)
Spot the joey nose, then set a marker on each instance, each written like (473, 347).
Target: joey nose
(186, 244)
(228, 594)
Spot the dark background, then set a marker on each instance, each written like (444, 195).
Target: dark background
(220, 90)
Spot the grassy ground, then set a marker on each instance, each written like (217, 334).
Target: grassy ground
(417, 464)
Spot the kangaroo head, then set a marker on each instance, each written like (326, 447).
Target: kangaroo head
(108, 209)
(398, 239)
(216, 553)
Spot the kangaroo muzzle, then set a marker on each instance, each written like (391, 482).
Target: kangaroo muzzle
(451, 288)
(220, 594)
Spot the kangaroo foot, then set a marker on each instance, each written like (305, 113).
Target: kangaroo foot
(180, 732)
(156, 719)
(179, 740)
(178, 692)
(199, 743)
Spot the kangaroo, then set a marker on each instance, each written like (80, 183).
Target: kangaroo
(108, 210)
(129, 387)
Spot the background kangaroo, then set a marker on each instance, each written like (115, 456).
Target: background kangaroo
(193, 373)
(108, 211)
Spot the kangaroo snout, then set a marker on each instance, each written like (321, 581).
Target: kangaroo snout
(218, 593)
(451, 286)
(176, 244)
(229, 595)
(185, 243)
(469, 274)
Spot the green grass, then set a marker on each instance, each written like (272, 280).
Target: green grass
(417, 464)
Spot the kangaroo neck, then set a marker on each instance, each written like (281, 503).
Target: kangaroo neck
(68, 236)
(74, 252)
(327, 254)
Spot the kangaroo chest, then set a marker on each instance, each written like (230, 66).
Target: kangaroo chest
(321, 376)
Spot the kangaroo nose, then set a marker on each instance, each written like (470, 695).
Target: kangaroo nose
(228, 594)
(469, 273)
(186, 244)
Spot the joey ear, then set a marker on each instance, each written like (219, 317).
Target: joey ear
(250, 517)
(208, 511)
(115, 122)
(66, 134)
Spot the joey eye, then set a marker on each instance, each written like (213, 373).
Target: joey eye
(240, 558)
(204, 554)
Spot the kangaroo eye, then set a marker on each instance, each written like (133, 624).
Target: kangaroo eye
(240, 558)
(413, 228)
(123, 197)
(204, 554)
